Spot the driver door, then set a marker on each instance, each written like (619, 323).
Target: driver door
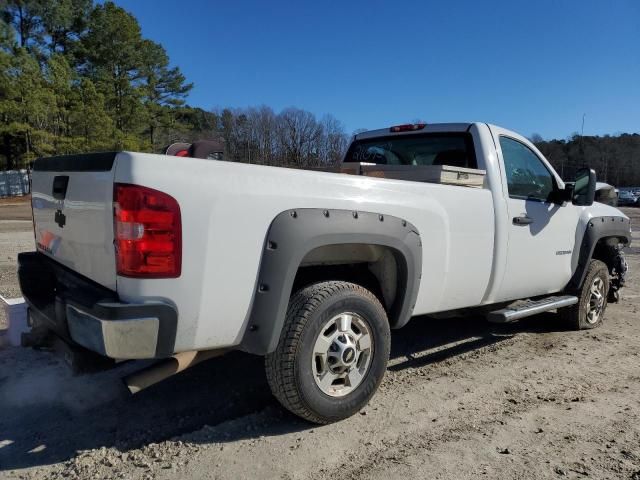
(541, 233)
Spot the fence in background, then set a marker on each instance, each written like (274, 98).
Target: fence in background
(14, 183)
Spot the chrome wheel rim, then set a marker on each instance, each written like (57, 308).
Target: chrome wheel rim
(342, 354)
(596, 301)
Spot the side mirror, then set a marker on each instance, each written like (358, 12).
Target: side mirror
(584, 188)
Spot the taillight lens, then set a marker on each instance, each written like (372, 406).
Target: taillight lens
(148, 232)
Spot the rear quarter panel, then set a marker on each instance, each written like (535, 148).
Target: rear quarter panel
(227, 209)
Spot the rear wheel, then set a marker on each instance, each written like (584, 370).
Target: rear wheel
(592, 299)
(332, 353)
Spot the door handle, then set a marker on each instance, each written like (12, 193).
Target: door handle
(522, 220)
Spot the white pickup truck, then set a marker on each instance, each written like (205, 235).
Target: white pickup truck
(143, 256)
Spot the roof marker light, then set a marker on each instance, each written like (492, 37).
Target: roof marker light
(408, 127)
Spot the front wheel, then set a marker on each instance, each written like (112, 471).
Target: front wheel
(592, 299)
(332, 353)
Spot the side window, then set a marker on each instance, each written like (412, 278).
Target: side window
(527, 176)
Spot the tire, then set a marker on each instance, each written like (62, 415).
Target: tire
(589, 311)
(308, 382)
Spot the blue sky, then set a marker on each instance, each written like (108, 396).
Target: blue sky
(532, 66)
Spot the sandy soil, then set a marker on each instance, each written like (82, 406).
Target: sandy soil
(461, 399)
(15, 208)
(16, 235)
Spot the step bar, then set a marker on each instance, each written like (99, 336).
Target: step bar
(531, 307)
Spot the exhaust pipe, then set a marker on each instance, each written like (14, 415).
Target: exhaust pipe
(166, 368)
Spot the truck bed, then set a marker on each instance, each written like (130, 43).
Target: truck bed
(228, 208)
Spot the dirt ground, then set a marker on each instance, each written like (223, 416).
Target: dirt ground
(461, 399)
(16, 235)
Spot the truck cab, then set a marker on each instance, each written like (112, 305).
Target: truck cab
(538, 223)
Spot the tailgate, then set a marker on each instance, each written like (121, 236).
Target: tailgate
(72, 203)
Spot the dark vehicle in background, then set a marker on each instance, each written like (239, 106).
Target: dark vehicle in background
(627, 198)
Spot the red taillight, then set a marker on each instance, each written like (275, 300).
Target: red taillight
(409, 127)
(148, 232)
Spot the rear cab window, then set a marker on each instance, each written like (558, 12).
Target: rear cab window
(454, 149)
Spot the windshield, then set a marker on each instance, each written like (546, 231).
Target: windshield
(427, 149)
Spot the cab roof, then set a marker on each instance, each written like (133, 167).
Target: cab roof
(427, 128)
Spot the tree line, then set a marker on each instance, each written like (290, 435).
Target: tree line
(78, 77)
(292, 137)
(616, 159)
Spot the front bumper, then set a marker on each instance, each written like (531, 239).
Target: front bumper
(84, 313)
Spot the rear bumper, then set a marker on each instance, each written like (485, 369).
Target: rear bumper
(89, 315)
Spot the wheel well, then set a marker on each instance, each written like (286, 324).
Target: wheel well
(377, 268)
(606, 250)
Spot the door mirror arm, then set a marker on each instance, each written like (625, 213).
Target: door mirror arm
(584, 188)
(568, 193)
(562, 195)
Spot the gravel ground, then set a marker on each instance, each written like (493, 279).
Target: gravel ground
(15, 208)
(16, 235)
(461, 399)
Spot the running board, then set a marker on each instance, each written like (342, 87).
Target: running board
(531, 307)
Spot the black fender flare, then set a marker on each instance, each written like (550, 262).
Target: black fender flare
(598, 228)
(294, 233)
